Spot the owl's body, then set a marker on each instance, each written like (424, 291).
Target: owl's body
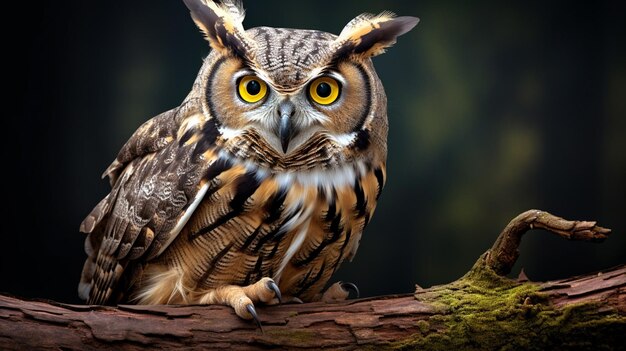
(271, 167)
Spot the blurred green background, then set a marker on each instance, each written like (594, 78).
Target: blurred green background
(494, 108)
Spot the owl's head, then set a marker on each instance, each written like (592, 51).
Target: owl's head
(294, 98)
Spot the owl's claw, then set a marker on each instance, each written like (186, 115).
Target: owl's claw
(272, 286)
(252, 311)
(351, 287)
(339, 291)
(243, 298)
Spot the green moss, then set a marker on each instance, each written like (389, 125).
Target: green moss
(423, 326)
(485, 311)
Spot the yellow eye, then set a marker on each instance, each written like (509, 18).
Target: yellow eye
(324, 90)
(251, 89)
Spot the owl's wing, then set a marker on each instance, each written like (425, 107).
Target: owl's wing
(157, 182)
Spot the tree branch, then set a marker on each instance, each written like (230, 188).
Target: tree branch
(481, 310)
(504, 252)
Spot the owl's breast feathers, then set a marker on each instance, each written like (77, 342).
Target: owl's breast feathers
(187, 212)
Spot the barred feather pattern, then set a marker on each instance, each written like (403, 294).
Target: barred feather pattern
(250, 226)
(250, 223)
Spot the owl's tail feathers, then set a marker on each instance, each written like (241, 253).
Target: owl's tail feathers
(92, 245)
(98, 281)
(93, 263)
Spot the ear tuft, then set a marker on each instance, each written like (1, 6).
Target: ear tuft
(369, 35)
(222, 24)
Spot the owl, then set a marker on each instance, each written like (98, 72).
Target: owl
(260, 184)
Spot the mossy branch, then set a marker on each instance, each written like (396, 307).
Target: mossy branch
(483, 310)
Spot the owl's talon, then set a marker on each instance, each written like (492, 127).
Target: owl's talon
(339, 291)
(293, 299)
(255, 316)
(351, 287)
(272, 286)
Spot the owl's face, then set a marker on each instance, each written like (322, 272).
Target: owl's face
(287, 99)
(294, 91)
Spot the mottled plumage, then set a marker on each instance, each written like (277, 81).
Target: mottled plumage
(270, 168)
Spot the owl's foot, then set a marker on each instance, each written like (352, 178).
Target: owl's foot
(339, 291)
(242, 298)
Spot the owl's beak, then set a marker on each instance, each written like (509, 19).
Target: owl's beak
(285, 132)
(286, 110)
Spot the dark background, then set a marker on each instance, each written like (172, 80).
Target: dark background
(494, 107)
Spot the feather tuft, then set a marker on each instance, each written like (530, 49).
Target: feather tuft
(364, 21)
(164, 286)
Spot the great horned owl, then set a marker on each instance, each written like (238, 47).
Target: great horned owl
(260, 182)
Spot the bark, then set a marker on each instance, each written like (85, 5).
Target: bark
(481, 310)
